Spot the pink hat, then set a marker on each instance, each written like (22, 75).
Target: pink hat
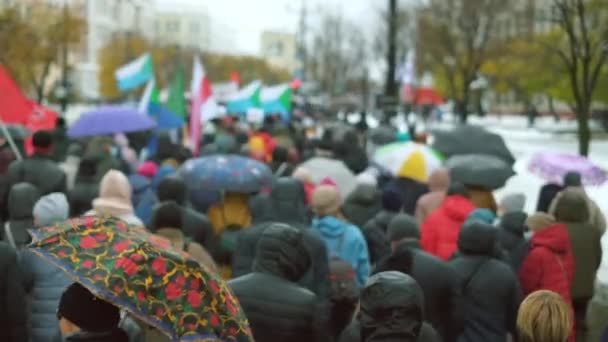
(328, 181)
(148, 169)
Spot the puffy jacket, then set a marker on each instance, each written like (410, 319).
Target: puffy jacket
(13, 316)
(346, 242)
(277, 308)
(21, 201)
(549, 264)
(571, 208)
(362, 204)
(374, 232)
(43, 283)
(39, 171)
(491, 292)
(440, 230)
(511, 238)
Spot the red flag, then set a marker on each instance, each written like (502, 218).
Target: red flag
(200, 88)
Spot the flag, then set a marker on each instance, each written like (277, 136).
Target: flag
(135, 73)
(176, 102)
(203, 104)
(150, 104)
(245, 99)
(277, 100)
(235, 77)
(407, 72)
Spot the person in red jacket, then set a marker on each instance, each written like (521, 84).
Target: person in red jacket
(441, 228)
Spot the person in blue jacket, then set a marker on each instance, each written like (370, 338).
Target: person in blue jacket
(343, 240)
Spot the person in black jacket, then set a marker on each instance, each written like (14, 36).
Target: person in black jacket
(194, 224)
(438, 281)
(277, 308)
(286, 205)
(364, 202)
(13, 317)
(392, 310)
(86, 187)
(511, 238)
(491, 291)
(375, 229)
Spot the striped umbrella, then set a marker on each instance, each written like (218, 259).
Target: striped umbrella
(409, 160)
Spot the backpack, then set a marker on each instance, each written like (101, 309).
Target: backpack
(341, 277)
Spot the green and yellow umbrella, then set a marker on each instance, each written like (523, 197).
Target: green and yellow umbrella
(409, 160)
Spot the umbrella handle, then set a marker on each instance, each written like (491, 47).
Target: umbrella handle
(11, 142)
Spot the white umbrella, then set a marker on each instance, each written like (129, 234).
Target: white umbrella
(321, 168)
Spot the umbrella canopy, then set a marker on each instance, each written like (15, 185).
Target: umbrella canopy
(226, 173)
(469, 139)
(142, 274)
(479, 170)
(321, 168)
(409, 160)
(554, 166)
(110, 120)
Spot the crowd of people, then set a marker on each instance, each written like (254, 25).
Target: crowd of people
(394, 260)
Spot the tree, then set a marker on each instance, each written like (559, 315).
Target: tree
(455, 38)
(31, 48)
(583, 50)
(390, 87)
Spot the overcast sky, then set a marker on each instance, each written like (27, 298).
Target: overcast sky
(245, 20)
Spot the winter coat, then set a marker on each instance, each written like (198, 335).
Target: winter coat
(22, 198)
(346, 242)
(44, 284)
(277, 308)
(428, 203)
(143, 198)
(375, 231)
(179, 242)
(439, 284)
(546, 196)
(490, 288)
(7, 156)
(81, 197)
(571, 209)
(362, 204)
(595, 216)
(13, 316)
(511, 238)
(410, 191)
(439, 233)
(352, 333)
(549, 264)
(39, 171)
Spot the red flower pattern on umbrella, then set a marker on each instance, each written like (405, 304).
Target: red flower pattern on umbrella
(121, 246)
(88, 242)
(173, 291)
(88, 263)
(159, 265)
(194, 298)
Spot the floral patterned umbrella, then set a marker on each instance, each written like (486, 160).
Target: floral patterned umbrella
(144, 275)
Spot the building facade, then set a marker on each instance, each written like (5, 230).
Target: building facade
(188, 30)
(280, 50)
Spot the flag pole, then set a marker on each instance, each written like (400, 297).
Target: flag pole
(11, 142)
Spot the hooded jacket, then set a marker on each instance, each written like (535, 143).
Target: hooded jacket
(375, 231)
(143, 197)
(511, 238)
(549, 264)
(115, 198)
(440, 230)
(571, 209)
(362, 204)
(13, 325)
(21, 201)
(346, 242)
(428, 203)
(40, 171)
(490, 288)
(277, 308)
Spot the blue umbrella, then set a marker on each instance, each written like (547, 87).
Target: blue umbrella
(226, 173)
(110, 120)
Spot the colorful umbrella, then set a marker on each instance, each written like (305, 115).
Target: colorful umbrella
(332, 169)
(553, 167)
(110, 120)
(468, 139)
(409, 160)
(226, 173)
(142, 274)
(479, 170)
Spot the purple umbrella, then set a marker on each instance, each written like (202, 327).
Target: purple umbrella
(554, 166)
(110, 120)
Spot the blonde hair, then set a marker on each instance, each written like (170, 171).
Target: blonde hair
(544, 316)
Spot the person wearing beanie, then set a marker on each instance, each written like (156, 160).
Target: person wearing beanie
(86, 187)
(85, 317)
(39, 169)
(512, 227)
(484, 279)
(573, 182)
(439, 233)
(51, 209)
(277, 307)
(439, 182)
(342, 239)
(437, 280)
(148, 169)
(167, 219)
(512, 203)
(375, 229)
(549, 264)
(364, 202)
(115, 198)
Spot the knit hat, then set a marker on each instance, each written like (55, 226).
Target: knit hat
(513, 203)
(326, 200)
(392, 200)
(91, 314)
(483, 215)
(114, 192)
(148, 169)
(51, 209)
(403, 226)
(540, 221)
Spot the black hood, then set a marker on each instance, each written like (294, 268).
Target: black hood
(21, 201)
(281, 252)
(391, 308)
(288, 201)
(172, 189)
(514, 223)
(364, 194)
(477, 238)
(260, 208)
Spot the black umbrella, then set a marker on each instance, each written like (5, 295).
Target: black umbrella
(479, 170)
(469, 139)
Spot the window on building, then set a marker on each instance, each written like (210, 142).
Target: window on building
(195, 27)
(172, 26)
(276, 49)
